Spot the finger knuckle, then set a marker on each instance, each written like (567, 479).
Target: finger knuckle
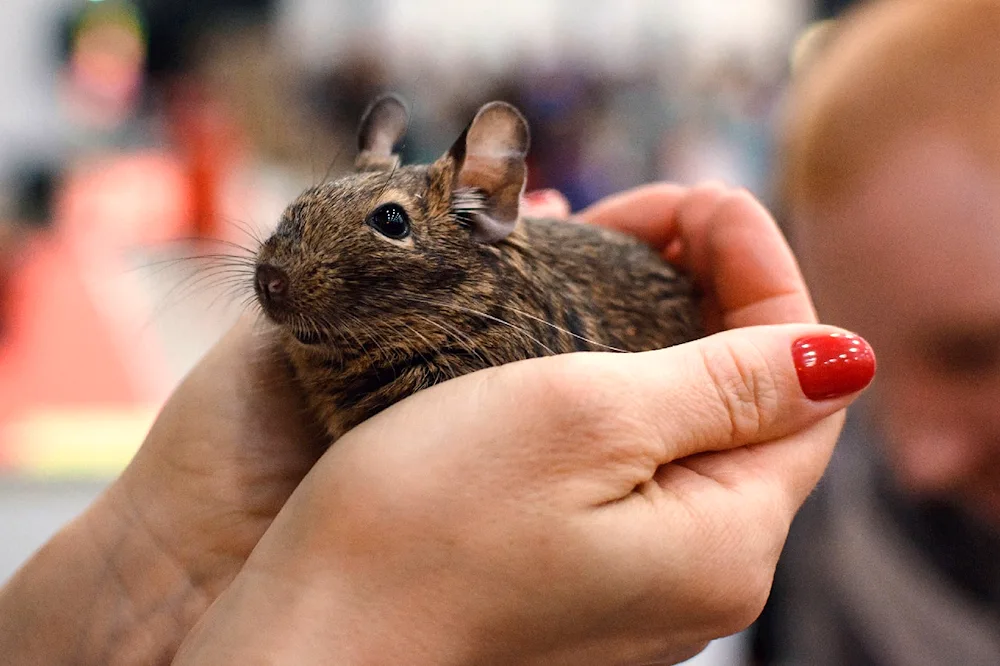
(741, 202)
(745, 386)
(708, 193)
(591, 409)
(711, 186)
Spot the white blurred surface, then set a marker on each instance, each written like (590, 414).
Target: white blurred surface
(31, 512)
(455, 31)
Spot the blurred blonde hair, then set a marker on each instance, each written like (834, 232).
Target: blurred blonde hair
(889, 68)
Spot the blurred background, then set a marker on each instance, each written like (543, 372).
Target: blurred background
(137, 134)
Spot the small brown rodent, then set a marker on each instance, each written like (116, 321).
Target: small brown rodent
(395, 278)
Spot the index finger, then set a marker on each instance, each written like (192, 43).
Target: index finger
(731, 246)
(647, 212)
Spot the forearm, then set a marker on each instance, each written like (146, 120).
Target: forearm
(299, 600)
(102, 591)
(268, 617)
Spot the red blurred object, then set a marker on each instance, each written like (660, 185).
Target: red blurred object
(71, 310)
(57, 348)
(210, 144)
(110, 203)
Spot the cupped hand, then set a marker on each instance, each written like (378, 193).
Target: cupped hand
(586, 508)
(225, 452)
(235, 438)
(722, 237)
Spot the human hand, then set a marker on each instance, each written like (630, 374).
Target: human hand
(722, 237)
(224, 454)
(582, 508)
(207, 482)
(156, 549)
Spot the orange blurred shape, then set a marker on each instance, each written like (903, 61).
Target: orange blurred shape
(57, 349)
(112, 203)
(64, 346)
(211, 143)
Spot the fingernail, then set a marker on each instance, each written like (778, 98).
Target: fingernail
(834, 365)
(537, 197)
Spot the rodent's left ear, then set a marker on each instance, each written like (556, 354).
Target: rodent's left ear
(382, 126)
(490, 170)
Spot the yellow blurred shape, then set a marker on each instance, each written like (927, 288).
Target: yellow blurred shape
(77, 443)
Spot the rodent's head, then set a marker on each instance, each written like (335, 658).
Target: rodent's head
(364, 250)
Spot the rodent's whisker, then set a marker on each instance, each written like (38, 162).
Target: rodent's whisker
(231, 289)
(562, 330)
(251, 304)
(387, 355)
(247, 230)
(208, 241)
(353, 336)
(372, 335)
(392, 172)
(430, 344)
(385, 348)
(209, 278)
(228, 243)
(333, 163)
(520, 329)
(534, 318)
(463, 339)
(219, 272)
(222, 259)
(411, 330)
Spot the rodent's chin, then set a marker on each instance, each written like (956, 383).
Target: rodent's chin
(304, 334)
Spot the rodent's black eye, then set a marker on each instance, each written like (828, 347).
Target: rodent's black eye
(391, 221)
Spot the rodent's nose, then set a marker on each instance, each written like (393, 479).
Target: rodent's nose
(272, 284)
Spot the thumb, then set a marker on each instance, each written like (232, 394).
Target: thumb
(630, 414)
(750, 385)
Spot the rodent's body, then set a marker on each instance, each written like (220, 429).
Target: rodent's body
(552, 287)
(393, 279)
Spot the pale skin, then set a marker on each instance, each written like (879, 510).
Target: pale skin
(589, 508)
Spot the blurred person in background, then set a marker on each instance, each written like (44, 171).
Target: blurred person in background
(891, 185)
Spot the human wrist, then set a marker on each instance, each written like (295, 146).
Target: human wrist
(290, 616)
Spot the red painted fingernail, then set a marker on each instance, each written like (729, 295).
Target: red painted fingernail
(539, 196)
(835, 365)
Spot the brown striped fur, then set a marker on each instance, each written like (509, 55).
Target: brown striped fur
(370, 320)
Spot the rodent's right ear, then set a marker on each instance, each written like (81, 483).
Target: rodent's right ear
(489, 170)
(382, 126)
